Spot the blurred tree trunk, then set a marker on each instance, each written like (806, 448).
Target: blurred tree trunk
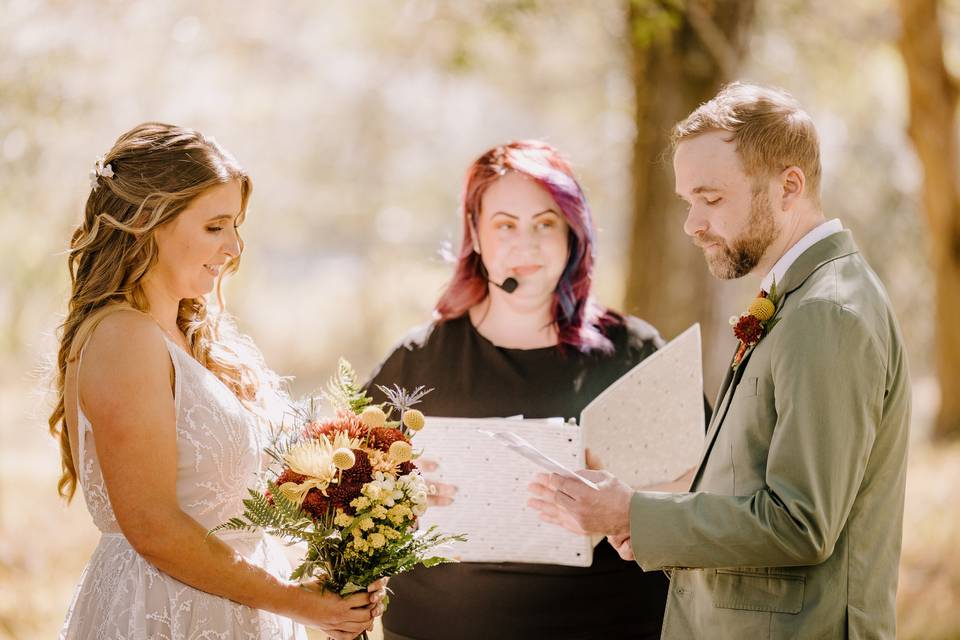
(683, 52)
(933, 129)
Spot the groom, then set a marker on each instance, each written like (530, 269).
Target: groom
(792, 525)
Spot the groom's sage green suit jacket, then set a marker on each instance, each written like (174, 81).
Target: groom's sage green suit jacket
(793, 525)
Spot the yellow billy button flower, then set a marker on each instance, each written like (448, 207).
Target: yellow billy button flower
(344, 459)
(373, 417)
(762, 309)
(413, 419)
(376, 540)
(401, 451)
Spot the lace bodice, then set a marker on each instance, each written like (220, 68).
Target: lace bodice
(218, 449)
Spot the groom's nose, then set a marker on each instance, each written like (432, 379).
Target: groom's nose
(696, 222)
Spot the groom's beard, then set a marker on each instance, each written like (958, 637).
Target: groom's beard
(744, 252)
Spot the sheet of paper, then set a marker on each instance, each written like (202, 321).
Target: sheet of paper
(490, 505)
(518, 445)
(647, 427)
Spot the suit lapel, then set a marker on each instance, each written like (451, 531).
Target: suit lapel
(727, 390)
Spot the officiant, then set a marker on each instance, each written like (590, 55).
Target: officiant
(517, 332)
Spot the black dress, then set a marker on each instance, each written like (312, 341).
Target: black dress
(474, 378)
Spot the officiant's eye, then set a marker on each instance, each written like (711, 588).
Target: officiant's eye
(713, 202)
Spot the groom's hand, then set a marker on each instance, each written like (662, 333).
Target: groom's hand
(622, 545)
(543, 500)
(605, 509)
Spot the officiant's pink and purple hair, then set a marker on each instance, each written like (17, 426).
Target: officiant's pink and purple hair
(575, 314)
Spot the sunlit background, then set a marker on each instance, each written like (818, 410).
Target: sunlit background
(357, 121)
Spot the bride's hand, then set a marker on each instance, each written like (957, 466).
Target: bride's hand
(378, 591)
(341, 618)
(441, 494)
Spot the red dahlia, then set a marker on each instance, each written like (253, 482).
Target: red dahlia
(342, 493)
(382, 437)
(289, 475)
(748, 329)
(316, 504)
(361, 471)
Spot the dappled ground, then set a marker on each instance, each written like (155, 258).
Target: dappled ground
(44, 545)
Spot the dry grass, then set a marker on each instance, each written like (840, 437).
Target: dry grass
(44, 545)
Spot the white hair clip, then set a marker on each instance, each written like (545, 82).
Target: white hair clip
(99, 170)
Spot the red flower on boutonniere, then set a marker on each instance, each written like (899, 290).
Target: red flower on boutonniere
(759, 319)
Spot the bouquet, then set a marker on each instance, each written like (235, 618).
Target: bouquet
(347, 486)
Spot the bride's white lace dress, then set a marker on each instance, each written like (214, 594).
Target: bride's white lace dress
(121, 595)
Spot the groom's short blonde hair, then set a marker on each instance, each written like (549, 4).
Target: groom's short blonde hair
(770, 129)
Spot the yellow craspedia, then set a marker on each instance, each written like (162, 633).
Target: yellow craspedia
(344, 459)
(413, 419)
(401, 451)
(762, 309)
(373, 417)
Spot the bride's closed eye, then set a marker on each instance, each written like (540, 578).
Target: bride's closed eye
(221, 228)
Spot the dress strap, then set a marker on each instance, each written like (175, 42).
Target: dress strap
(82, 423)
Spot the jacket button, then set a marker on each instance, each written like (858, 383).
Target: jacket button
(681, 591)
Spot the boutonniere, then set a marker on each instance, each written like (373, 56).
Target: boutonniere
(750, 327)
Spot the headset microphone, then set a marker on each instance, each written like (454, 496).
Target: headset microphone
(509, 285)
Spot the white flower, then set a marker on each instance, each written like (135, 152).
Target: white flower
(99, 170)
(313, 458)
(343, 441)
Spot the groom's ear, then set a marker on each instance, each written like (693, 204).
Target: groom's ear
(793, 185)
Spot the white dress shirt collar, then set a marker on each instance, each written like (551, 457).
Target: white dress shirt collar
(815, 235)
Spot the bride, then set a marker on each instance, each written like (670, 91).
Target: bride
(161, 408)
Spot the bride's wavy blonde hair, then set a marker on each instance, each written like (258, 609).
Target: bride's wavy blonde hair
(158, 169)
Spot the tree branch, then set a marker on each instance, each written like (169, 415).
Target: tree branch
(713, 39)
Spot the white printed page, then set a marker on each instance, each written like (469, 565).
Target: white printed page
(490, 505)
(647, 427)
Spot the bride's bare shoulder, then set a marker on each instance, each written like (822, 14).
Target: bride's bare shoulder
(124, 340)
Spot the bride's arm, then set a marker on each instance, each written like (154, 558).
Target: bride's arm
(126, 392)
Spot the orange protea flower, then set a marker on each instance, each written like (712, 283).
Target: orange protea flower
(345, 422)
(382, 437)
